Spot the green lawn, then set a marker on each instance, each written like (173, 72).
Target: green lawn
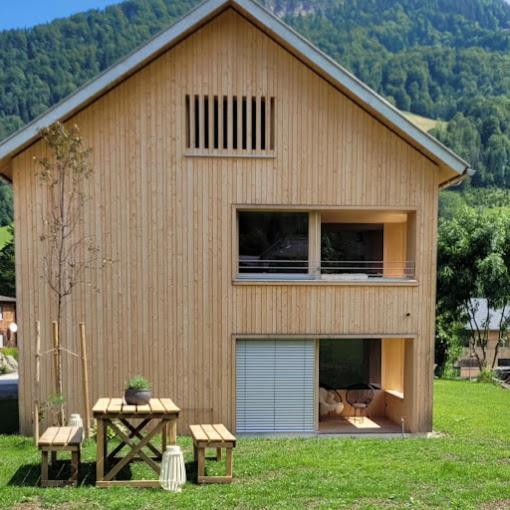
(468, 467)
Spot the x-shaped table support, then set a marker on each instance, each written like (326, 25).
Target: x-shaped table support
(135, 440)
(136, 449)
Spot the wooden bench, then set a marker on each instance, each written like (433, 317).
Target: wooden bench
(60, 439)
(212, 436)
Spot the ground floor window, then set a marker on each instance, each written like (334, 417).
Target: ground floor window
(307, 385)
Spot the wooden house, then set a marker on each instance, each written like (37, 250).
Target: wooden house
(484, 320)
(272, 223)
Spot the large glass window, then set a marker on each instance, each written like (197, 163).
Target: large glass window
(344, 363)
(330, 245)
(352, 248)
(273, 242)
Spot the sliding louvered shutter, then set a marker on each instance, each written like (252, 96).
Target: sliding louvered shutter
(275, 385)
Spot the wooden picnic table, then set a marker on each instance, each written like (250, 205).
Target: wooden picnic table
(160, 413)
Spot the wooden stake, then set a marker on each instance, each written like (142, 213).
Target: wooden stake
(54, 334)
(59, 390)
(37, 379)
(85, 379)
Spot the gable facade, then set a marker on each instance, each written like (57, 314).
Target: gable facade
(170, 306)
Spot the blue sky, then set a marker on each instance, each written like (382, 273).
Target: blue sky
(26, 13)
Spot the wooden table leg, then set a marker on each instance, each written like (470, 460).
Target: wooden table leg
(105, 442)
(172, 431)
(164, 437)
(100, 458)
(218, 454)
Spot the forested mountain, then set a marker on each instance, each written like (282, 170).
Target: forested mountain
(445, 59)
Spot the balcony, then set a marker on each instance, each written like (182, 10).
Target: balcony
(330, 246)
(341, 270)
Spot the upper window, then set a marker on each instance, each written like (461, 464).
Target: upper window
(337, 245)
(352, 248)
(273, 243)
(224, 125)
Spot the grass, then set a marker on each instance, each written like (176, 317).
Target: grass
(468, 467)
(5, 236)
(10, 351)
(423, 122)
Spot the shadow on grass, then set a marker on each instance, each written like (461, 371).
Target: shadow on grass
(191, 472)
(192, 468)
(29, 475)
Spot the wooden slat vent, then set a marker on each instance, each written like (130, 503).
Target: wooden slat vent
(230, 125)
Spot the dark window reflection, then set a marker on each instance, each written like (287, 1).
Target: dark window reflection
(273, 242)
(343, 363)
(352, 248)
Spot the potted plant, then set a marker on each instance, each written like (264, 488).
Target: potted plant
(138, 391)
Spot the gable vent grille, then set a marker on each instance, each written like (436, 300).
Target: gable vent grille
(230, 125)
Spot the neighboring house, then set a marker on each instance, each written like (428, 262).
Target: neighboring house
(7, 317)
(225, 141)
(468, 362)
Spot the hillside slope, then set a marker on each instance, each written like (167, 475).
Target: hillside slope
(442, 59)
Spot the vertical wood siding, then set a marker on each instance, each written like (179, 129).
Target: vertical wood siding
(167, 307)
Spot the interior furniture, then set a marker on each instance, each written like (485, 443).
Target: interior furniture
(60, 439)
(330, 402)
(212, 436)
(139, 426)
(359, 397)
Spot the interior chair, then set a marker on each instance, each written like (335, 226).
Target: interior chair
(359, 397)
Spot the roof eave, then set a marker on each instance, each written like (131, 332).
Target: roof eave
(457, 181)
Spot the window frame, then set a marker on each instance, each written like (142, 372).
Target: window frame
(314, 235)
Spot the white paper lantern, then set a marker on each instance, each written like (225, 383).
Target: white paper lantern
(173, 470)
(75, 421)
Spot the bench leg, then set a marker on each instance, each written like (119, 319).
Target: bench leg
(100, 453)
(75, 463)
(201, 464)
(44, 468)
(195, 453)
(218, 454)
(229, 462)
